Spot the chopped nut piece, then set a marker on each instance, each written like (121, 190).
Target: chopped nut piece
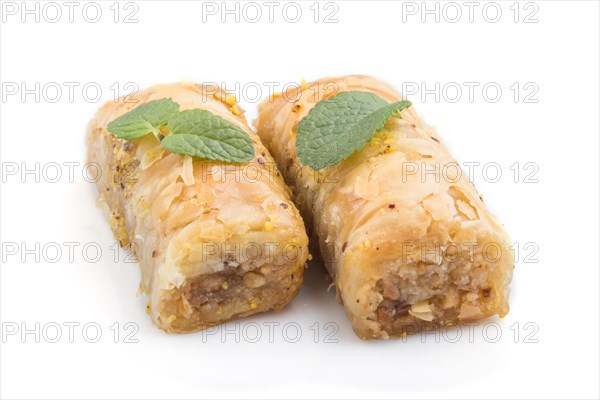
(421, 307)
(422, 310)
(451, 299)
(253, 280)
(468, 311)
(424, 316)
(391, 291)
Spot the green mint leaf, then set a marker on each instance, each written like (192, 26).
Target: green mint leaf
(337, 127)
(199, 133)
(144, 119)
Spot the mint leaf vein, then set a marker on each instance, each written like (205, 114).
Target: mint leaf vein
(199, 133)
(144, 119)
(336, 128)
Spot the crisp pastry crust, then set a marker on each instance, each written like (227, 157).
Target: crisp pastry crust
(403, 233)
(214, 241)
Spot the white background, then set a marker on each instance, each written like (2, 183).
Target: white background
(554, 303)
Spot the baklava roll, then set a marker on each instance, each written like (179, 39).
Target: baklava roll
(405, 236)
(214, 241)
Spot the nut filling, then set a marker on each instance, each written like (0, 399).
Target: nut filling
(428, 301)
(235, 292)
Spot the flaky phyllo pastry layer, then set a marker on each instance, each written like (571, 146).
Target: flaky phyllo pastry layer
(403, 233)
(214, 241)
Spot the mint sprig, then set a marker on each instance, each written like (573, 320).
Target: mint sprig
(196, 133)
(199, 133)
(144, 119)
(336, 128)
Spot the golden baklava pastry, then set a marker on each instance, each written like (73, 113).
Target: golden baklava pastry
(406, 238)
(214, 241)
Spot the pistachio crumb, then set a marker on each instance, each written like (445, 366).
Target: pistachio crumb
(230, 99)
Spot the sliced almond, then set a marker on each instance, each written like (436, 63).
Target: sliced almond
(187, 171)
(423, 316)
(421, 307)
(468, 311)
(466, 209)
(422, 310)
